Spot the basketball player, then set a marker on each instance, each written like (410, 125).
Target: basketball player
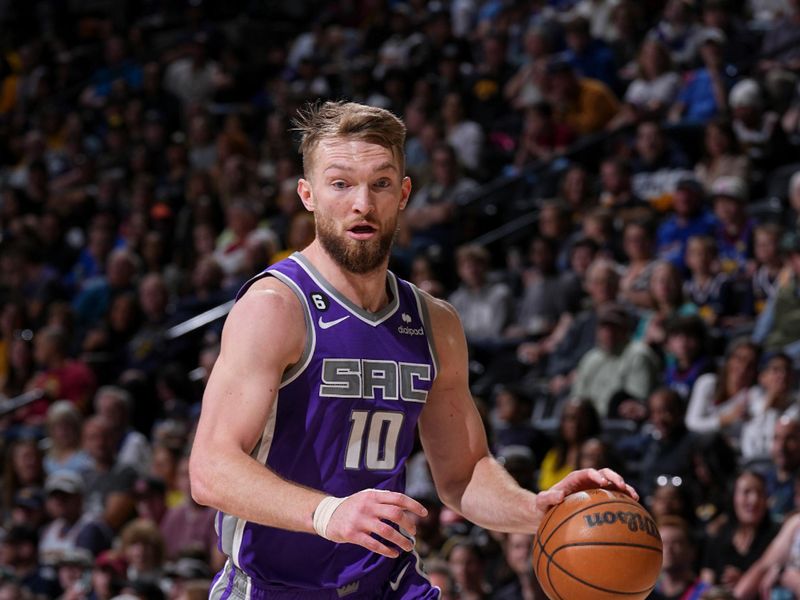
(328, 362)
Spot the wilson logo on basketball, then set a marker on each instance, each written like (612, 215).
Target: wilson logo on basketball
(633, 521)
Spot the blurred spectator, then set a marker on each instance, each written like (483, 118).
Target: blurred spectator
(678, 30)
(151, 498)
(686, 353)
(658, 165)
(517, 549)
(704, 94)
(485, 307)
(719, 401)
(690, 217)
(709, 290)
(467, 564)
(584, 105)
(777, 325)
(664, 445)
(655, 87)
(781, 471)
(463, 135)
(109, 484)
(638, 243)
(758, 129)
(193, 77)
(589, 56)
(579, 421)
(772, 398)
(64, 424)
(70, 528)
(547, 293)
(616, 369)
(114, 404)
(767, 265)
(108, 574)
(667, 302)
(779, 47)
(23, 469)
(59, 376)
(143, 550)
(513, 426)
(678, 577)
(542, 137)
(723, 156)
(189, 526)
(430, 213)
(745, 536)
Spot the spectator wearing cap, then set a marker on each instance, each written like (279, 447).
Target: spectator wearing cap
(72, 570)
(722, 157)
(689, 218)
(64, 424)
(108, 575)
(583, 104)
(758, 129)
(19, 549)
(778, 325)
(28, 508)
(734, 235)
(704, 93)
(616, 366)
(181, 572)
(70, 527)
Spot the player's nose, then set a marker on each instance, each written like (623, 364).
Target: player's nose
(362, 200)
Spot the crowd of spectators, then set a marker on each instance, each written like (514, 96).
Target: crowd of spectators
(645, 316)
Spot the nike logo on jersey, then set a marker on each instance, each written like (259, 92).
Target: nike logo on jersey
(328, 324)
(396, 583)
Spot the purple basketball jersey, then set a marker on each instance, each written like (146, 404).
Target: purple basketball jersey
(344, 421)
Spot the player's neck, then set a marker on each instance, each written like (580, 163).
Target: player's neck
(367, 290)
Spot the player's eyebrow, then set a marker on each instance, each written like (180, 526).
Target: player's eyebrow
(381, 167)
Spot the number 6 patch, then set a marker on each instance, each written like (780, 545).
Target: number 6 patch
(320, 301)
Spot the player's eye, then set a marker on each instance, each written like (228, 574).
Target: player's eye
(383, 183)
(339, 184)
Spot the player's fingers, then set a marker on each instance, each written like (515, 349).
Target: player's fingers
(618, 482)
(370, 543)
(400, 517)
(548, 498)
(402, 501)
(390, 534)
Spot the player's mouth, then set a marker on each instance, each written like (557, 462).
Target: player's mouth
(362, 231)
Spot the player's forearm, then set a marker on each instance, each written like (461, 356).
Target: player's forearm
(236, 484)
(494, 500)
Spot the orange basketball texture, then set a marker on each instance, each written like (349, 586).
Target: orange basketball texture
(597, 545)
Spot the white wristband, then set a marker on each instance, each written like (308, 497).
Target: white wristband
(324, 512)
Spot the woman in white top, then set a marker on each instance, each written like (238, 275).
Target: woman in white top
(767, 402)
(719, 401)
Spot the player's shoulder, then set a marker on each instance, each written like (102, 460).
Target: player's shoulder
(438, 309)
(268, 298)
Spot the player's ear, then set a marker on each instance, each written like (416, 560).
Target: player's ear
(405, 187)
(305, 193)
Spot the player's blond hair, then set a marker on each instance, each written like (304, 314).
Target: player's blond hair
(349, 120)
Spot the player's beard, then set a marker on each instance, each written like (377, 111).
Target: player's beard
(355, 256)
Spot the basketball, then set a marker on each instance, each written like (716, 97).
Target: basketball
(598, 545)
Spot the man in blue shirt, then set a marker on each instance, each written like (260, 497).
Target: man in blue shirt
(690, 218)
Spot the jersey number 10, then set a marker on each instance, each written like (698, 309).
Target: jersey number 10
(380, 431)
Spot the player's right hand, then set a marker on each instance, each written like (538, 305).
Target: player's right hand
(365, 513)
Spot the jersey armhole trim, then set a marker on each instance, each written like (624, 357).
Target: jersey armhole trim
(422, 307)
(311, 335)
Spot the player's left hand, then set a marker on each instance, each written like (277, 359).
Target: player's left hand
(585, 479)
